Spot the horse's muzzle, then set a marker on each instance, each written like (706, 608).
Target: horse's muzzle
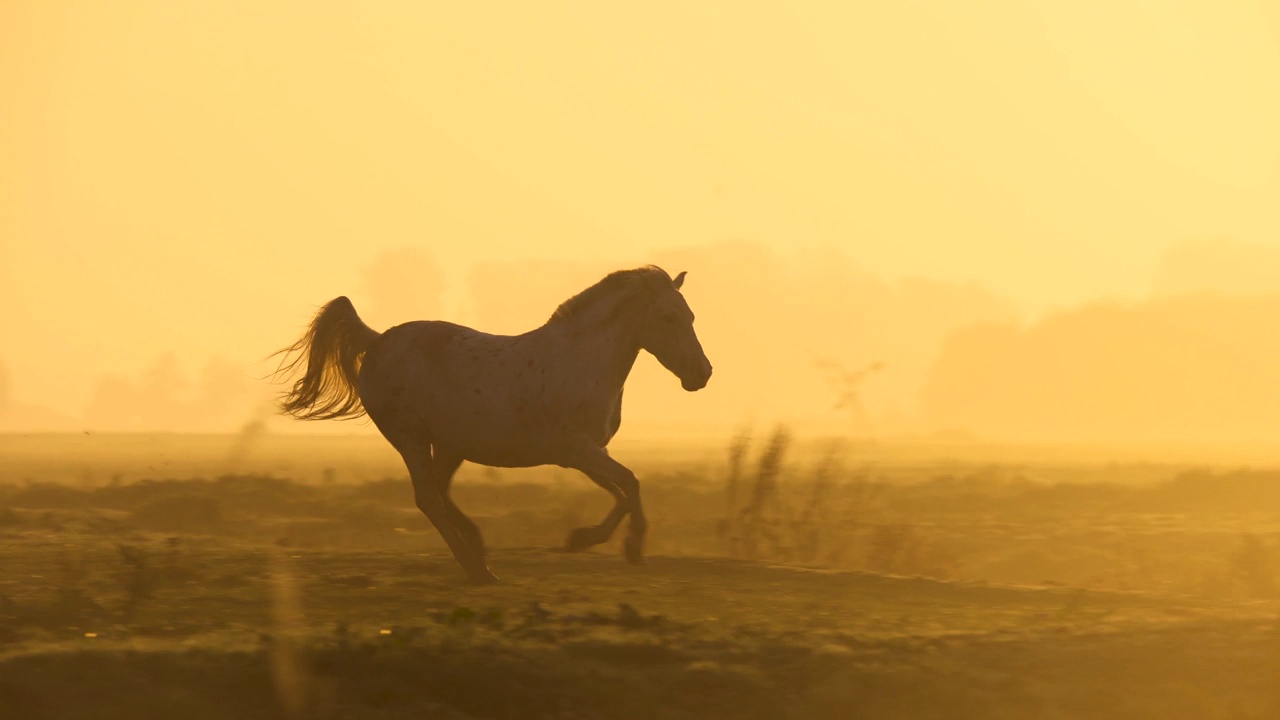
(698, 380)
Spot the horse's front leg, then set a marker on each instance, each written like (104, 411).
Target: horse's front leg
(620, 482)
(585, 537)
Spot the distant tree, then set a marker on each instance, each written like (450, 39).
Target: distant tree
(113, 405)
(1218, 266)
(1196, 368)
(847, 385)
(162, 397)
(5, 397)
(154, 401)
(223, 388)
(161, 393)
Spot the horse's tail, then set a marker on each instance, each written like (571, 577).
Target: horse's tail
(330, 352)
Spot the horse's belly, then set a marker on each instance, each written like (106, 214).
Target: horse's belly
(475, 400)
(490, 431)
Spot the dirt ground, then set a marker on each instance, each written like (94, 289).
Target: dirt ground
(973, 596)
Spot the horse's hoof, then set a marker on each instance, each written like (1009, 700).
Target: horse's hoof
(633, 549)
(581, 539)
(482, 577)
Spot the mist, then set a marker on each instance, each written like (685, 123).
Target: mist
(983, 415)
(206, 186)
(1188, 363)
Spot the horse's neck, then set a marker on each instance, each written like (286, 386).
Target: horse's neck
(592, 355)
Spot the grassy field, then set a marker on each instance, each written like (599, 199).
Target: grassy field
(780, 584)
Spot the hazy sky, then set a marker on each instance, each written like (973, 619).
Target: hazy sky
(194, 176)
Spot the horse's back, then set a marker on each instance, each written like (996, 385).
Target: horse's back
(458, 385)
(408, 354)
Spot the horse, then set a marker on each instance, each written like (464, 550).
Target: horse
(442, 393)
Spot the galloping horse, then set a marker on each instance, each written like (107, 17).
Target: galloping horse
(442, 393)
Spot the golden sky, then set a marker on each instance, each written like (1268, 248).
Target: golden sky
(195, 177)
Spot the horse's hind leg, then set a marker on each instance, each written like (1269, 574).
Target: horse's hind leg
(444, 464)
(431, 495)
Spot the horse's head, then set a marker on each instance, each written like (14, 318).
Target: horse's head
(666, 331)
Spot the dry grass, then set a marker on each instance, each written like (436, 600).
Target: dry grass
(260, 596)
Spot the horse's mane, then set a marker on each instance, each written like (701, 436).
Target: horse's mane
(616, 285)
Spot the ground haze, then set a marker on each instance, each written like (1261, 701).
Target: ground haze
(785, 579)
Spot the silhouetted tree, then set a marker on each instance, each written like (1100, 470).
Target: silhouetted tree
(160, 393)
(1218, 266)
(223, 387)
(5, 397)
(162, 398)
(846, 385)
(1184, 368)
(112, 404)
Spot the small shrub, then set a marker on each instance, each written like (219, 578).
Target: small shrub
(137, 577)
(1253, 567)
(186, 511)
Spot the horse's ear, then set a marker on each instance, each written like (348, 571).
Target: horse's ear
(679, 280)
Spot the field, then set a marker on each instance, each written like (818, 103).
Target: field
(293, 577)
